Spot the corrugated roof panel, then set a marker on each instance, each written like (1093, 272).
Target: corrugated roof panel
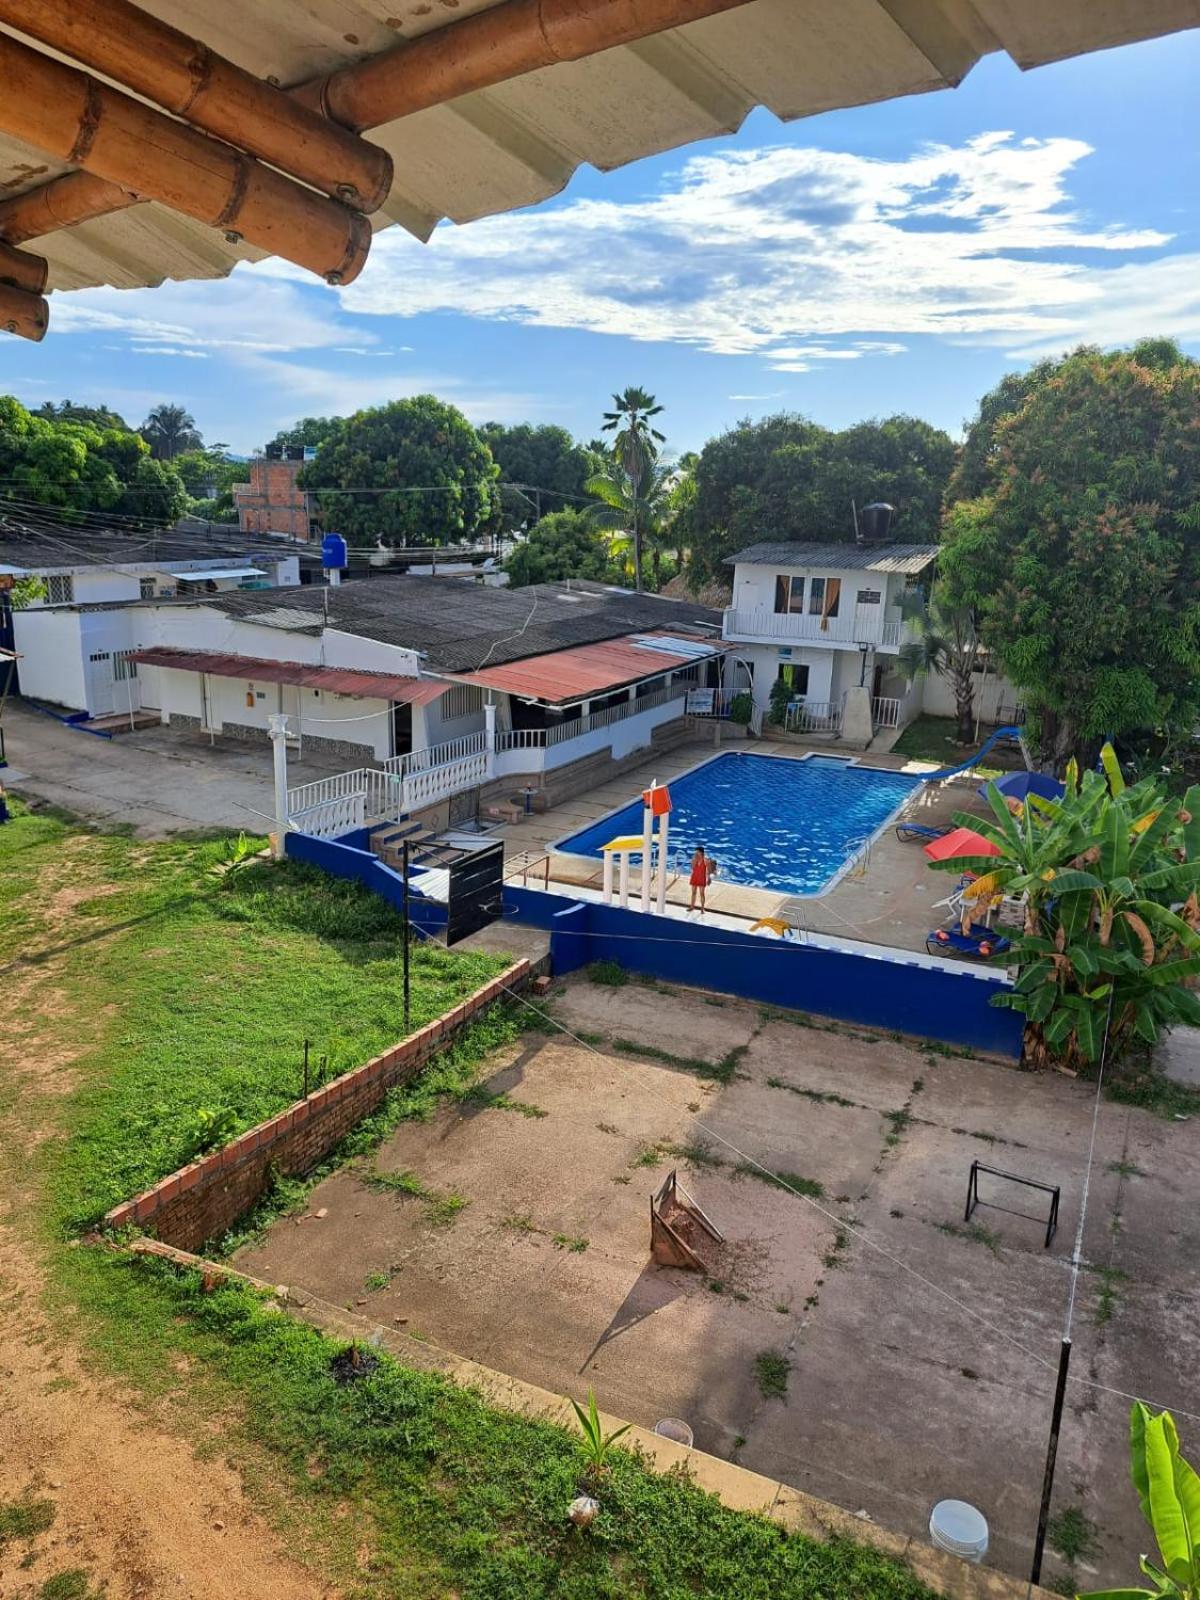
(566, 675)
(513, 145)
(910, 558)
(339, 680)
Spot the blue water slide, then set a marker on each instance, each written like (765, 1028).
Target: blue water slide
(952, 772)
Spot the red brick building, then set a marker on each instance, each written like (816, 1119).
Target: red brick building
(272, 502)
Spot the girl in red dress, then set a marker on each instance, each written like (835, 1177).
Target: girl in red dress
(704, 870)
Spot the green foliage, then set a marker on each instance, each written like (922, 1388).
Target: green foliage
(1103, 952)
(308, 430)
(233, 974)
(1073, 1535)
(781, 697)
(945, 642)
(76, 467)
(447, 1494)
(564, 544)
(1169, 1491)
(67, 411)
(72, 1584)
(635, 511)
(209, 1127)
(771, 1369)
(24, 1518)
(741, 708)
(794, 479)
(547, 460)
(170, 429)
(596, 1443)
(1069, 537)
(209, 475)
(631, 482)
(388, 453)
(609, 973)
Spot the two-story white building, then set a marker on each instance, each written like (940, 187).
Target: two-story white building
(826, 618)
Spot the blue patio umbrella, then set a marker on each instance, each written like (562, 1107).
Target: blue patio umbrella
(1020, 785)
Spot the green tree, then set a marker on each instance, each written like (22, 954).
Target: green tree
(168, 429)
(946, 642)
(787, 478)
(1079, 558)
(636, 516)
(412, 472)
(1168, 1489)
(635, 448)
(68, 411)
(307, 431)
(546, 459)
(209, 475)
(78, 468)
(564, 544)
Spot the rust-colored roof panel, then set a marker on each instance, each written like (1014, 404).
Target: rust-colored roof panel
(339, 680)
(566, 675)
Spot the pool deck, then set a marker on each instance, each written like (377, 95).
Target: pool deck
(888, 897)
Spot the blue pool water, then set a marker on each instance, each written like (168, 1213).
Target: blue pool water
(767, 822)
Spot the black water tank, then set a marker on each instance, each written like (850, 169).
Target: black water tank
(274, 452)
(875, 523)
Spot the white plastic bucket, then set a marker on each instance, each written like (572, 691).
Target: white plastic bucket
(959, 1529)
(675, 1428)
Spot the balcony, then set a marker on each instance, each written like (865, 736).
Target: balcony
(863, 625)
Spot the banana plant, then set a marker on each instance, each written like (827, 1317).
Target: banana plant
(1169, 1491)
(1110, 876)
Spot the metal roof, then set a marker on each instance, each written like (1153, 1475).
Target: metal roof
(882, 558)
(498, 149)
(463, 627)
(566, 675)
(369, 685)
(218, 572)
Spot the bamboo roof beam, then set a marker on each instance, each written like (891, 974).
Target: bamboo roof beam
(20, 269)
(27, 315)
(87, 124)
(185, 77)
(61, 203)
(488, 48)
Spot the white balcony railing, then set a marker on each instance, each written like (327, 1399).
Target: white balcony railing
(814, 716)
(863, 625)
(885, 712)
(437, 755)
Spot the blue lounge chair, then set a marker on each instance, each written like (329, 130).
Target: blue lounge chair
(978, 945)
(914, 832)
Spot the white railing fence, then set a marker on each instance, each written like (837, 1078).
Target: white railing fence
(814, 716)
(329, 818)
(862, 625)
(439, 783)
(437, 755)
(885, 712)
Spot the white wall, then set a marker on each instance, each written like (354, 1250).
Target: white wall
(93, 585)
(49, 642)
(991, 693)
(367, 655)
(821, 664)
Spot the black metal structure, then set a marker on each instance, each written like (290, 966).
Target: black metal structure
(476, 892)
(973, 1200)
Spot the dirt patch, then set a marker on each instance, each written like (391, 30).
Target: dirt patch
(134, 1508)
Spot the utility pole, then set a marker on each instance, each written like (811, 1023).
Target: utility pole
(407, 955)
(1039, 1544)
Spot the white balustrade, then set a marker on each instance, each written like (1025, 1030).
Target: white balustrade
(814, 716)
(885, 712)
(329, 818)
(863, 625)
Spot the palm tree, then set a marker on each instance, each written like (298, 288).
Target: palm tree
(635, 447)
(637, 516)
(169, 429)
(945, 643)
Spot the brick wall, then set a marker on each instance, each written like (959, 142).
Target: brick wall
(203, 1200)
(272, 502)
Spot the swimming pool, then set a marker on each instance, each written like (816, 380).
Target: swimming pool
(767, 821)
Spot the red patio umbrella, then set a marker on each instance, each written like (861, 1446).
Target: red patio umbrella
(962, 842)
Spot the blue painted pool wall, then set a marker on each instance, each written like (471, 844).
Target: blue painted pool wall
(873, 992)
(343, 858)
(883, 993)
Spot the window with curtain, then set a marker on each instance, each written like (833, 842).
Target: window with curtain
(824, 596)
(789, 594)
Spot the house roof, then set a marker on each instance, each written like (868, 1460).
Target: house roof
(881, 558)
(513, 144)
(339, 680)
(40, 546)
(463, 627)
(566, 675)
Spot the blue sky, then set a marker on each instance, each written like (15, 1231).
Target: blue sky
(891, 258)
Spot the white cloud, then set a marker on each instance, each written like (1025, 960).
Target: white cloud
(804, 255)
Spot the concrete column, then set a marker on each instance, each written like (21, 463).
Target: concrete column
(489, 744)
(334, 575)
(624, 891)
(278, 735)
(857, 728)
(608, 876)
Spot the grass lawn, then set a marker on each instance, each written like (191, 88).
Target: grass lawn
(935, 739)
(178, 1002)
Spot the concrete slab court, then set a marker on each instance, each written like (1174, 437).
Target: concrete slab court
(864, 1345)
